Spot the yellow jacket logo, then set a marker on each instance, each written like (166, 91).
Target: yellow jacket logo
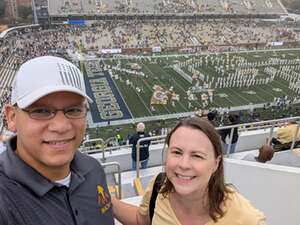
(103, 199)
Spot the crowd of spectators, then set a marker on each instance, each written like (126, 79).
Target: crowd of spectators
(20, 45)
(140, 34)
(174, 33)
(92, 7)
(30, 43)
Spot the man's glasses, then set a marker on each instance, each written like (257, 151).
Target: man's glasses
(46, 113)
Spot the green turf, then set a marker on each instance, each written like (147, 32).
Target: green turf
(159, 72)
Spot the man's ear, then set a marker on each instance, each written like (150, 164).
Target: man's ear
(10, 116)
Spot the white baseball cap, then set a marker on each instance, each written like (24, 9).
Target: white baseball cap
(44, 75)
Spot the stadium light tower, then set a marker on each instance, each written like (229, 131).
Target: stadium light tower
(12, 9)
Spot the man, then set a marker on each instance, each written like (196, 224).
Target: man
(144, 146)
(43, 179)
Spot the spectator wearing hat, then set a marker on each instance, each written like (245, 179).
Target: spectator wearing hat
(143, 149)
(43, 178)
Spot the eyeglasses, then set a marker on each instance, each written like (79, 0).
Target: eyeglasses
(46, 113)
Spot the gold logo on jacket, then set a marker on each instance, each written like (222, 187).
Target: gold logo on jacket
(103, 199)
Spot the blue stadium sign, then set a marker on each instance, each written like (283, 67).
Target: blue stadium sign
(75, 22)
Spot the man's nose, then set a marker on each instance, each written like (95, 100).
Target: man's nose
(60, 123)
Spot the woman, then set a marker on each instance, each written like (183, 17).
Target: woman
(194, 191)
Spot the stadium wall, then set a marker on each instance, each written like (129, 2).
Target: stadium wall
(201, 48)
(271, 188)
(119, 16)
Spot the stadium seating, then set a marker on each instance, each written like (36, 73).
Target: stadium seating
(97, 7)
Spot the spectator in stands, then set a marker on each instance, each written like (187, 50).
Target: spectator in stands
(43, 179)
(144, 146)
(265, 153)
(211, 116)
(193, 186)
(119, 137)
(225, 133)
(286, 134)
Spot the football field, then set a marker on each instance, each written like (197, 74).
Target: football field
(148, 86)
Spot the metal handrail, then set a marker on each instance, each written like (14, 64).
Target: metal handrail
(107, 149)
(264, 126)
(138, 150)
(273, 123)
(230, 139)
(110, 139)
(271, 133)
(241, 127)
(260, 122)
(119, 175)
(96, 140)
(92, 140)
(103, 148)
